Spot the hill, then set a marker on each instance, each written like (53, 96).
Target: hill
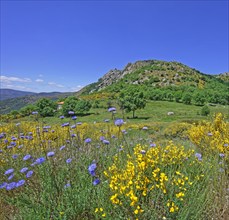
(156, 74)
(16, 103)
(11, 93)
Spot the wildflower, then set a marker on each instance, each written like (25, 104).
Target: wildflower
(20, 183)
(71, 113)
(73, 135)
(26, 157)
(199, 156)
(91, 169)
(210, 134)
(113, 136)
(29, 174)
(34, 113)
(96, 182)
(106, 142)
(9, 171)
(88, 140)
(145, 128)
(61, 117)
(222, 155)
(15, 156)
(11, 176)
(73, 126)
(3, 185)
(11, 186)
(65, 124)
(69, 160)
(152, 145)
(62, 147)
(67, 185)
(74, 117)
(119, 122)
(50, 154)
(40, 160)
(143, 152)
(106, 120)
(79, 123)
(112, 109)
(102, 138)
(24, 169)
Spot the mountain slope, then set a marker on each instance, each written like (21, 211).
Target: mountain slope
(11, 93)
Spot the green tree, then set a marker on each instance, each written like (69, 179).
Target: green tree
(199, 98)
(205, 110)
(28, 109)
(187, 98)
(82, 106)
(46, 107)
(133, 100)
(69, 105)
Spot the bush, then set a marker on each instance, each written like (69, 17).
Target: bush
(205, 110)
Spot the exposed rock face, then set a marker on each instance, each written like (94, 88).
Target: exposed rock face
(114, 75)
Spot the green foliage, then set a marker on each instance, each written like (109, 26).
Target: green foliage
(46, 107)
(27, 110)
(199, 98)
(82, 106)
(132, 100)
(205, 110)
(187, 98)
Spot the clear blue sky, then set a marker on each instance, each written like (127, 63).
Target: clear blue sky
(64, 45)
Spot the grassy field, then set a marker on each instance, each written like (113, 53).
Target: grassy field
(154, 166)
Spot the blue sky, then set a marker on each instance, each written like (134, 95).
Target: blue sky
(64, 45)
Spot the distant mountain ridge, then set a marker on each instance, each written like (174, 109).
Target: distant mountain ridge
(12, 93)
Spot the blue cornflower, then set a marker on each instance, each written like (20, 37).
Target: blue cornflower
(119, 122)
(24, 169)
(112, 109)
(91, 169)
(11, 186)
(15, 156)
(198, 155)
(62, 147)
(143, 152)
(20, 183)
(71, 113)
(11, 176)
(26, 157)
(40, 160)
(74, 117)
(69, 160)
(67, 185)
(3, 185)
(50, 154)
(88, 140)
(106, 142)
(29, 174)
(96, 182)
(9, 171)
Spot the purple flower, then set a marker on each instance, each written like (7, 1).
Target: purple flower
(62, 147)
(50, 154)
(96, 182)
(67, 185)
(106, 142)
(69, 160)
(11, 176)
(119, 122)
(20, 146)
(145, 128)
(71, 113)
(74, 117)
(73, 135)
(113, 136)
(61, 117)
(222, 155)
(199, 156)
(24, 169)
(79, 123)
(112, 109)
(107, 120)
(65, 124)
(152, 145)
(9, 171)
(210, 134)
(15, 156)
(3, 185)
(11, 186)
(13, 138)
(34, 113)
(225, 145)
(92, 168)
(73, 126)
(88, 140)
(143, 152)
(102, 138)
(20, 183)
(29, 174)
(40, 160)
(26, 157)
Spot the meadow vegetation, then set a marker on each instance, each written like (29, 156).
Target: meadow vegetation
(110, 165)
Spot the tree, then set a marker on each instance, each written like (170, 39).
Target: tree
(187, 98)
(82, 106)
(199, 98)
(69, 105)
(28, 109)
(46, 107)
(205, 110)
(132, 100)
